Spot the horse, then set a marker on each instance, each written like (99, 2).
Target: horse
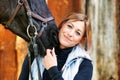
(31, 20)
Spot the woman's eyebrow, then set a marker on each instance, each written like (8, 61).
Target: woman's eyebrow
(70, 23)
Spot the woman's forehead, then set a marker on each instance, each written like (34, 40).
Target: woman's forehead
(78, 25)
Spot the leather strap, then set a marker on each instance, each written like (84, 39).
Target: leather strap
(13, 16)
(28, 11)
(35, 15)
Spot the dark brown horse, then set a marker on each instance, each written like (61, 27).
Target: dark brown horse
(31, 20)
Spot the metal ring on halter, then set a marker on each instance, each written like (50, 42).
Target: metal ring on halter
(28, 30)
(20, 3)
(29, 13)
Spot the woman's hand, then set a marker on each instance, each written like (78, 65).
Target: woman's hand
(50, 59)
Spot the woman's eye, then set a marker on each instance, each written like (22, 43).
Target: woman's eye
(78, 33)
(69, 26)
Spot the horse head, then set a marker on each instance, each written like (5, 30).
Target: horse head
(35, 17)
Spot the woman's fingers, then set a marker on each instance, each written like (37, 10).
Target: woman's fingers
(53, 52)
(50, 59)
(48, 52)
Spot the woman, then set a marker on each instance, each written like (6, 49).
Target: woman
(68, 61)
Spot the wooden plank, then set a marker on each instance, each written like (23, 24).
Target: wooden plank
(8, 67)
(61, 8)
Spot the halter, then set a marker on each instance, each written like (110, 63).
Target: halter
(32, 38)
(20, 3)
(29, 13)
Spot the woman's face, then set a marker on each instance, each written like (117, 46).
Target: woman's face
(71, 33)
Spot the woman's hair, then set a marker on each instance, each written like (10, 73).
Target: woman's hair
(78, 17)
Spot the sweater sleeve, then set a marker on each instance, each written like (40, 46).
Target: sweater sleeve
(55, 74)
(85, 71)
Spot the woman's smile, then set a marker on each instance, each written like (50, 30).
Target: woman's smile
(66, 38)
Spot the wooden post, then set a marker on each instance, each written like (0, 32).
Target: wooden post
(117, 25)
(105, 40)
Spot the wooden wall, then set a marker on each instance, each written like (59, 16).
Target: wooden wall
(61, 8)
(12, 52)
(8, 67)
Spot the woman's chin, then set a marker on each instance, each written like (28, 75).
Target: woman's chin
(64, 44)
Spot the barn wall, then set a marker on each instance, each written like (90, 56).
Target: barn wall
(21, 51)
(13, 49)
(8, 67)
(61, 8)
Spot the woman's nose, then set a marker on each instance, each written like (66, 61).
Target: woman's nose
(71, 33)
